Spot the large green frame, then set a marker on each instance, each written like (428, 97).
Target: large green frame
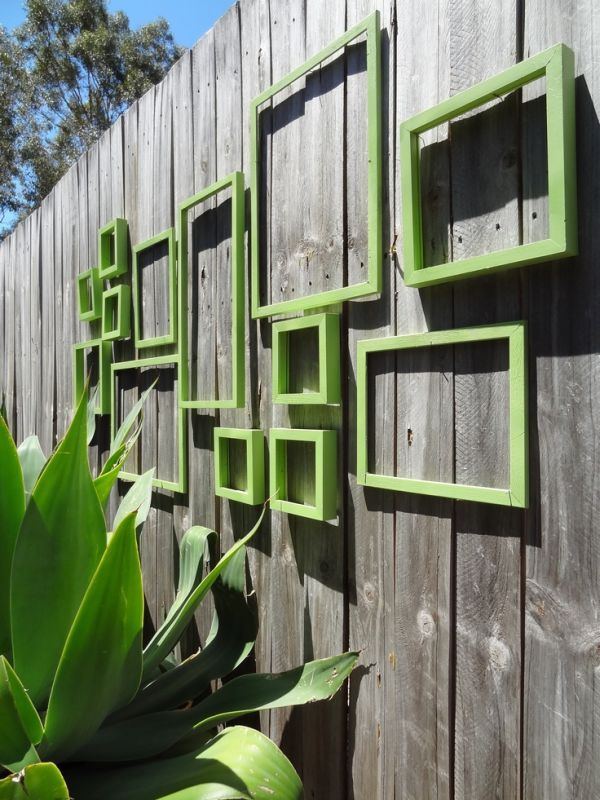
(557, 65)
(104, 350)
(238, 390)
(370, 26)
(170, 337)
(328, 331)
(254, 494)
(180, 485)
(517, 493)
(326, 482)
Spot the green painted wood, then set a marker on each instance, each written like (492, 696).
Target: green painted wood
(326, 327)
(517, 493)
(176, 483)
(556, 65)
(253, 468)
(113, 258)
(140, 251)
(116, 321)
(372, 284)
(323, 504)
(235, 182)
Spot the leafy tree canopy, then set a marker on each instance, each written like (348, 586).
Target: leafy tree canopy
(65, 76)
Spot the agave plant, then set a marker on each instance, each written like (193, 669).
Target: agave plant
(87, 708)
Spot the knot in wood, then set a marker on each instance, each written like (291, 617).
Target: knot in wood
(426, 624)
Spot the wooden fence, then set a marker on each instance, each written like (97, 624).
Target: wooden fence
(479, 626)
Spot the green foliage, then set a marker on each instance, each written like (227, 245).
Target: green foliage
(65, 76)
(78, 686)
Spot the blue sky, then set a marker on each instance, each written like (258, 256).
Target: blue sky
(188, 19)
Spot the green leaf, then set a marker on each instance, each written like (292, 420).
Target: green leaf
(12, 508)
(60, 544)
(20, 725)
(153, 734)
(101, 665)
(130, 421)
(138, 499)
(91, 415)
(167, 636)
(108, 476)
(32, 460)
(238, 763)
(37, 782)
(315, 680)
(235, 630)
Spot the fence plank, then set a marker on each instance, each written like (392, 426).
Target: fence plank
(561, 700)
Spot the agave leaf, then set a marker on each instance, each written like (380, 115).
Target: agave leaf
(167, 636)
(108, 475)
(37, 782)
(130, 421)
(101, 665)
(192, 552)
(32, 460)
(315, 680)
(60, 544)
(152, 734)
(91, 415)
(235, 632)
(12, 508)
(238, 763)
(138, 499)
(20, 726)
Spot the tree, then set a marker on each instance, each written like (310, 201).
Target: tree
(65, 76)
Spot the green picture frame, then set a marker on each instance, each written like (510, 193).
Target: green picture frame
(180, 484)
(372, 285)
(112, 249)
(326, 483)
(104, 350)
(116, 303)
(328, 331)
(170, 337)
(89, 295)
(254, 494)
(557, 65)
(517, 494)
(234, 181)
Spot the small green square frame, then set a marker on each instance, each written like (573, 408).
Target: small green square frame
(328, 331)
(112, 249)
(115, 306)
(104, 350)
(517, 494)
(325, 443)
(89, 294)
(372, 285)
(254, 494)
(179, 485)
(238, 389)
(557, 64)
(170, 337)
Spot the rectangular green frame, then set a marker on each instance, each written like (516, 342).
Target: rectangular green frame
(370, 26)
(517, 494)
(328, 331)
(121, 295)
(116, 229)
(238, 390)
(254, 494)
(89, 312)
(326, 488)
(142, 363)
(557, 64)
(167, 236)
(79, 377)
